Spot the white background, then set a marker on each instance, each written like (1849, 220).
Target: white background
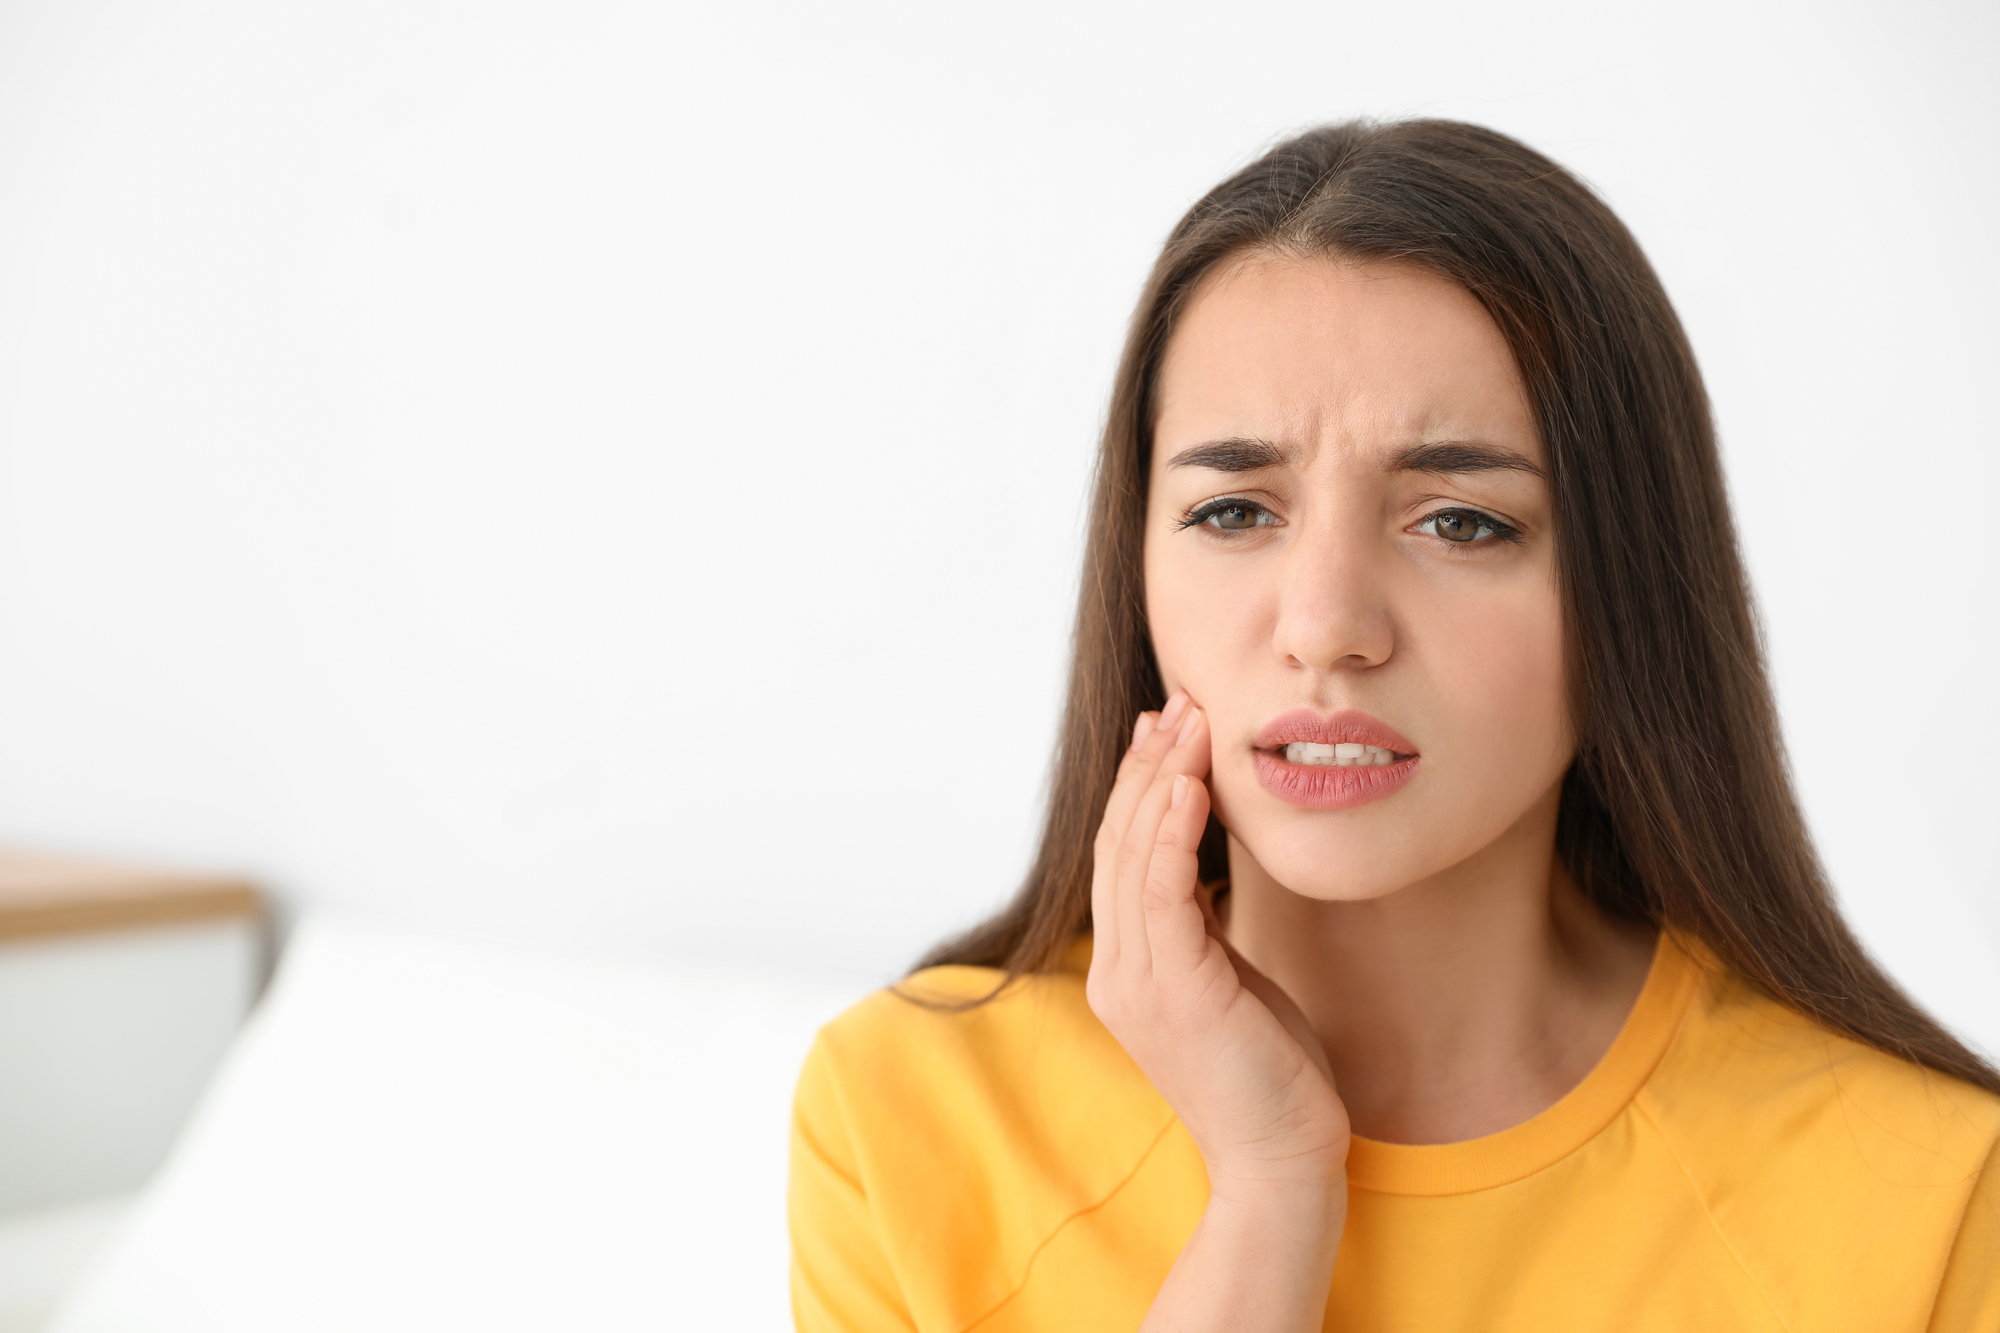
(610, 473)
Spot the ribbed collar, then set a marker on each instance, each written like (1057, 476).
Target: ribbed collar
(1583, 1112)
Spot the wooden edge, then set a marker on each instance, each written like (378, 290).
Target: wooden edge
(59, 916)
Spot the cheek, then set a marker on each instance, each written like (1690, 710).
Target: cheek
(1211, 636)
(1201, 624)
(1172, 608)
(1498, 664)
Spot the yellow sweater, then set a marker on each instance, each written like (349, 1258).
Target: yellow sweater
(1727, 1166)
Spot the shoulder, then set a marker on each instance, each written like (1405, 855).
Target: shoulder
(942, 1025)
(1815, 1155)
(1749, 1071)
(960, 1132)
(960, 1061)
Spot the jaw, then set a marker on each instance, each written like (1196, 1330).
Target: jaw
(1424, 836)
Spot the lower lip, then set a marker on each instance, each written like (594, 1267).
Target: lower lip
(1319, 787)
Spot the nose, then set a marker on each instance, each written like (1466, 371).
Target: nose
(1333, 613)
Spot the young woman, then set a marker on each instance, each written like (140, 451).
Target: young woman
(1442, 948)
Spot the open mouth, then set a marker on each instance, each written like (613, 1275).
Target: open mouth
(1343, 754)
(1324, 760)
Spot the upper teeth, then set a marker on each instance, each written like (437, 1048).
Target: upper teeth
(1344, 755)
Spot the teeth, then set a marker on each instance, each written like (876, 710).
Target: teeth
(1347, 754)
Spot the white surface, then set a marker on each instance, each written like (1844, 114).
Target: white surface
(106, 1040)
(415, 1135)
(42, 1252)
(611, 470)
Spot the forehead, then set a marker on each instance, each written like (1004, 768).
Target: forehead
(1324, 353)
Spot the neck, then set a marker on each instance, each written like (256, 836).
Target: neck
(1459, 1005)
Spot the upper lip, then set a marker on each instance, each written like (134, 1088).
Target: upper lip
(1348, 725)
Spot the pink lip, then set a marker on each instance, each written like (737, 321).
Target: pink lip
(1349, 726)
(1320, 788)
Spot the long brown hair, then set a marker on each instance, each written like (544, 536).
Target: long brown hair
(1679, 807)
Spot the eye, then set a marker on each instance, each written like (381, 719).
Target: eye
(1465, 526)
(1230, 515)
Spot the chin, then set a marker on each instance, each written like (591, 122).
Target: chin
(1351, 855)
(1333, 866)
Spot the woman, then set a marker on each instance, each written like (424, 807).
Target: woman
(1442, 947)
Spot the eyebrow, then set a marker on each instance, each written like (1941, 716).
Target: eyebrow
(1443, 457)
(1233, 455)
(1456, 456)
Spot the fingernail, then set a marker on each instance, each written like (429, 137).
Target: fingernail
(1172, 713)
(1188, 727)
(1180, 790)
(1142, 729)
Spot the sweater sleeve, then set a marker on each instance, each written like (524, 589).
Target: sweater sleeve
(842, 1278)
(1968, 1299)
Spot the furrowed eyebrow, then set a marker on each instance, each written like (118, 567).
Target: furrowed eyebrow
(1455, 456)
(1240, 455)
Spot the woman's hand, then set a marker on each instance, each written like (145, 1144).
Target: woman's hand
(1229, 1051)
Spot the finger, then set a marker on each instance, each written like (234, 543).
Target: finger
(1142, 761)
(1105, 939)
(1176, 930)
(1191, 752)
(1151, 742)
(1135, 850)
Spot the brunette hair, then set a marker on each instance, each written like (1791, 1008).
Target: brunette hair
(1679, 807)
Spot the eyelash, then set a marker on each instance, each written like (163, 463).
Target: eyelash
(1202, 513)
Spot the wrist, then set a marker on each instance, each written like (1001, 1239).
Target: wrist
(1262, 1257)
(1299, 1206)
(1296, 1176)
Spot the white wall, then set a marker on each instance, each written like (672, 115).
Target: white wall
(611, 472)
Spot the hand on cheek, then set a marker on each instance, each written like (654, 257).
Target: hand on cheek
(1227, 1049)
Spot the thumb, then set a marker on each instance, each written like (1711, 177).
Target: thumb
(1271, 994)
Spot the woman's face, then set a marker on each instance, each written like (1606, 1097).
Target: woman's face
(1350, 565)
